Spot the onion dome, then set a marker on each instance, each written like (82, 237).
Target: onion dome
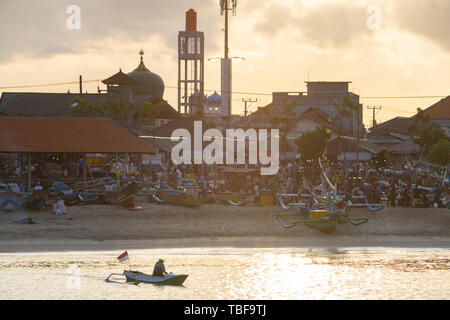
(214, 99)
(149, 82)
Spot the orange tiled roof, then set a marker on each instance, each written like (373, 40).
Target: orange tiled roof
(439, 110)
(64, 134)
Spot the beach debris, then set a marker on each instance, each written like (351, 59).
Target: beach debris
(9, 201)
(59, 208)
(25, 221)
(37, 200)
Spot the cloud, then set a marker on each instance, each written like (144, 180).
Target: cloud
(429, 19)
(38, 28)
(324, 24)
(273, 19)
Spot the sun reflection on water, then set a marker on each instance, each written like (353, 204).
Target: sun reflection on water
(239, 274)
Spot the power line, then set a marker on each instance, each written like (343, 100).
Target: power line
(374, 123)
(47, 84)
(215, 90)
(247, 101)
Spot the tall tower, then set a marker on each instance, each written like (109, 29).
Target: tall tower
(191, 59)
(225, 7)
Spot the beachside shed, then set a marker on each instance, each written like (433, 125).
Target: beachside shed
(30, 137)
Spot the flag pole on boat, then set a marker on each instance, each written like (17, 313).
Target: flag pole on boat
(124, 257)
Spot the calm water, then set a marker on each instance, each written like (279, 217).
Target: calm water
(230, 273)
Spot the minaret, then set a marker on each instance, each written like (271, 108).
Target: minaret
(191, 58)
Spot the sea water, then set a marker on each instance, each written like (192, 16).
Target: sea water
(233, 273)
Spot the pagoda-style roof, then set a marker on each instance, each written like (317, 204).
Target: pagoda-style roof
(121, 78)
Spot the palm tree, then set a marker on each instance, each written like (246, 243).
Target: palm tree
(420, 120)
(345, 109)
(120, 110)
(83, 109)
(149, 111)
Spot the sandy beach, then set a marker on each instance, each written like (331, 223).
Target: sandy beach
(100, 227)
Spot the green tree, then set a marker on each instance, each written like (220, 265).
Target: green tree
(83, 109)
(312, 144)
(429, 136)
(345, 109)
(120, 110)
(420, 120)
(439, 153)
(149, 111)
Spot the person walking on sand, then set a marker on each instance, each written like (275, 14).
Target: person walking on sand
(159, 270)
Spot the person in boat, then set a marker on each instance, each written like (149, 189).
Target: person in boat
(159, 270)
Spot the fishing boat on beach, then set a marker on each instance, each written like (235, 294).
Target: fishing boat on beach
(323, 218)
(188, 197)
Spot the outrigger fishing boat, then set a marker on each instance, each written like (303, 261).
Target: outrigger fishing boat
(323, 219)
(232, 198)
(188, 197)
(137, 277)
(322, 212)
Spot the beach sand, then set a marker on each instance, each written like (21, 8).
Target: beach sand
(107, 227)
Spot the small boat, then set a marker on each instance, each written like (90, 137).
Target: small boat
(137, 277)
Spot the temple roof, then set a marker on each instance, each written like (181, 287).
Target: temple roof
(121, 78)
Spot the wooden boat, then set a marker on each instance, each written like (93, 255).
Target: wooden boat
(185, 200)
(169, 194)
(137, 277)
(178, 198)
(234, 199)
(323, 219)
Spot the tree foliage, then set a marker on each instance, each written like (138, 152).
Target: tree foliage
(344, 109)
(312, 143)
(429, 136)
(149, 111)
(83, 109)
(439, 153)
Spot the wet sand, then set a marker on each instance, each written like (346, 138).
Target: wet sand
(105, 227)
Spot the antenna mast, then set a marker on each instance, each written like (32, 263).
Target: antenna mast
(225, 7)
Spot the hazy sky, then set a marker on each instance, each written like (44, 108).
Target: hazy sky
(283, 41)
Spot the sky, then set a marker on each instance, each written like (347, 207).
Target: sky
(386, 48)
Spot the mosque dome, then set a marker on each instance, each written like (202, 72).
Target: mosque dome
(149, 82)
(214, 99)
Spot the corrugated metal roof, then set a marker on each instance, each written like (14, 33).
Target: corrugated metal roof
(404, 147)
(64, 134)
(58, 104)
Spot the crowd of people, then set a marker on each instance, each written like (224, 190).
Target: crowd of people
(410, 184)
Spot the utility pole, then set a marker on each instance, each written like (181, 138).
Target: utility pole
(374, 123)
(225, 7)
(247, 101)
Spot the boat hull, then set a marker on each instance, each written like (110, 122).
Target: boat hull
(169, 279)
(185, 201)
(327, 226)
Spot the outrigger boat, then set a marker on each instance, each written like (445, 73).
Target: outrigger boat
(323, 219)
(137, 277)
(189, 197)
(329, 209)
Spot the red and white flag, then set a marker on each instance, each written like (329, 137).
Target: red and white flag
(123, 257)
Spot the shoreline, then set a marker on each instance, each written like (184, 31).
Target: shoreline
(371, 242)
(107, 227)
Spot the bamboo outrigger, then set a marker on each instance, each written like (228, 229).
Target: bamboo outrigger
(323, 218)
